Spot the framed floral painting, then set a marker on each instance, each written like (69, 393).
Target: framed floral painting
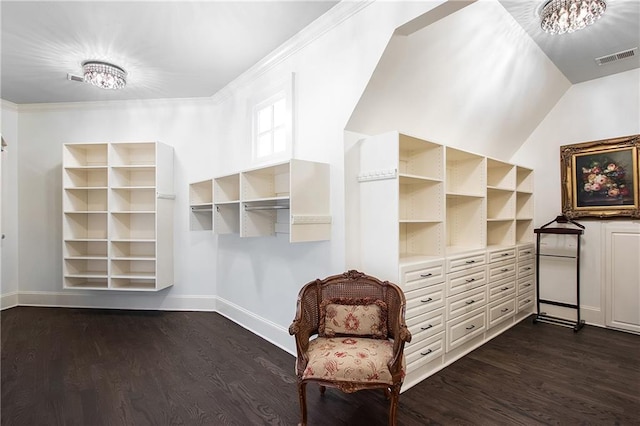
(600, 178)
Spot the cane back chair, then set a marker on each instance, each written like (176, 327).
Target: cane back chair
(350, 334)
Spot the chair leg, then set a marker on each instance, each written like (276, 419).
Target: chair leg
(302, 396)
(393, 406)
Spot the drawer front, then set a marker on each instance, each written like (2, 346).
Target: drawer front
(526, 302)
(498, 255)
(458, 282)
(429, 350)
(421, 275)
(525, 268)
(526, 284)
(526, 252)
(501, 289)
(506, 268)
(426, 325)
(424, 300)
(466, 302)
(461, 331)
(460, 263)
(500, 311)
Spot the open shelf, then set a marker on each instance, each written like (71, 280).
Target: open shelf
(421, 239)
(133, 226)
(85, 249)
(501, 175)
(133, 268)
(265, 183)
(524, 231)
(420, 199)
(86, 283)
(133, 154)
(226, 189)
(501, 204)
(465, 173)
(133, 250)
(133, 199)
(85, 155)
(227, 218)
(465, 222)
(84, 200)
(201, 193)
(137, 284)
(133, 176)
(95, 177)
(524, 179)
(85, 226)
(420, 158)
(501, 233)
(88, 268)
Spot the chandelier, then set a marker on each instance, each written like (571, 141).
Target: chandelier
(567, 16)
(104, 75)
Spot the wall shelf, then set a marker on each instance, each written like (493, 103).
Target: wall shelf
(118, 216)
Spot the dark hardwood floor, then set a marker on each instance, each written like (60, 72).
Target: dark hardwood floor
(96, 367)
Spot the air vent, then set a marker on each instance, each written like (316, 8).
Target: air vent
(616, 56)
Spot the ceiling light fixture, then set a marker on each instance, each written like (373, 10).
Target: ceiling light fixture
(567, 16)
(103, 75)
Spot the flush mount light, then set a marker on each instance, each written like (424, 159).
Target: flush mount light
(567, 16)
(102, 74)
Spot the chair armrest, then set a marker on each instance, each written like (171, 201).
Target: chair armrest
(404, 336)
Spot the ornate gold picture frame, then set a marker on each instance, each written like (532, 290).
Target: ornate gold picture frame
(600, 178)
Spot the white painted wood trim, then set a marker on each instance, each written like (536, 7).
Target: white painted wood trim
(8, 300)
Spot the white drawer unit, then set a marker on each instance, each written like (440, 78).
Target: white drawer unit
(425, 325)
(424, 300)
(465, 328)
(459, 263)
(429, 350)
(526, 252)
(417, 275)
(526, 284)
(525, 268)
(498, 255)
(500, 311)
(466, 302)
(526, 301)
(501, 288)
(461, 281)
(500, 270)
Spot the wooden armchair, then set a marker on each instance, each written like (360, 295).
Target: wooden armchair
(361, 332)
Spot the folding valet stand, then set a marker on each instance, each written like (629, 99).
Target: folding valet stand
(545, 229)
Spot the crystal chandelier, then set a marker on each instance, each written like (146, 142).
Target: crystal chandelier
(104, 75)
(567, 16)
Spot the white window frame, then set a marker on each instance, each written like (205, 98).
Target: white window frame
(269, 96)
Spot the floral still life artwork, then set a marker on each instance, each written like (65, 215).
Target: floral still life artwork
(600, 178)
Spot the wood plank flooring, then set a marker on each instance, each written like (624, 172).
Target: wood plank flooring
(97, 367)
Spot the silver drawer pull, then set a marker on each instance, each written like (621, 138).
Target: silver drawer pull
(426, 353)
(427, 300)
(527, 301)
(426, 328)
(471, 327)
(504, 270)
(504, 289)
(425, 275)
(470, 261)
(504, 254)
(468, 302)
(470, 280)
(504, 310)
(527, 268)
(526, 252)
(526, 285)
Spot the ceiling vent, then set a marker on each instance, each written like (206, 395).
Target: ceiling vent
(616, 56)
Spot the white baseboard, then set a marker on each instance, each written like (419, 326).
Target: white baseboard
(128, 300)
(268, 330)
(8, 300)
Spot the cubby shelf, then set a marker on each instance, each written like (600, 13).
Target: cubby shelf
(118, 216)
(285, 198)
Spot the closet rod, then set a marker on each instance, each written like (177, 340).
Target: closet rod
(197, 209)
(276, 207)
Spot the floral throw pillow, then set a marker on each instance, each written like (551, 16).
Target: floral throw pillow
(366, 317)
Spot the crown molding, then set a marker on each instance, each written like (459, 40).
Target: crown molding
(8, 105)
(331, 19)
(119, 104)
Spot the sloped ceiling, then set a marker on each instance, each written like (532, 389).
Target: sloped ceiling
(473, 80)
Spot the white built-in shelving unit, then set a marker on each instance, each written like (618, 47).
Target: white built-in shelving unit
(285, 198)
(454, 229)
(118, 216)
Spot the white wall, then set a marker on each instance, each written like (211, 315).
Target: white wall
(594, 110)
(9, 191)
(183, 124)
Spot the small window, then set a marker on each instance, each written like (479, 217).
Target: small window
(272, 125)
